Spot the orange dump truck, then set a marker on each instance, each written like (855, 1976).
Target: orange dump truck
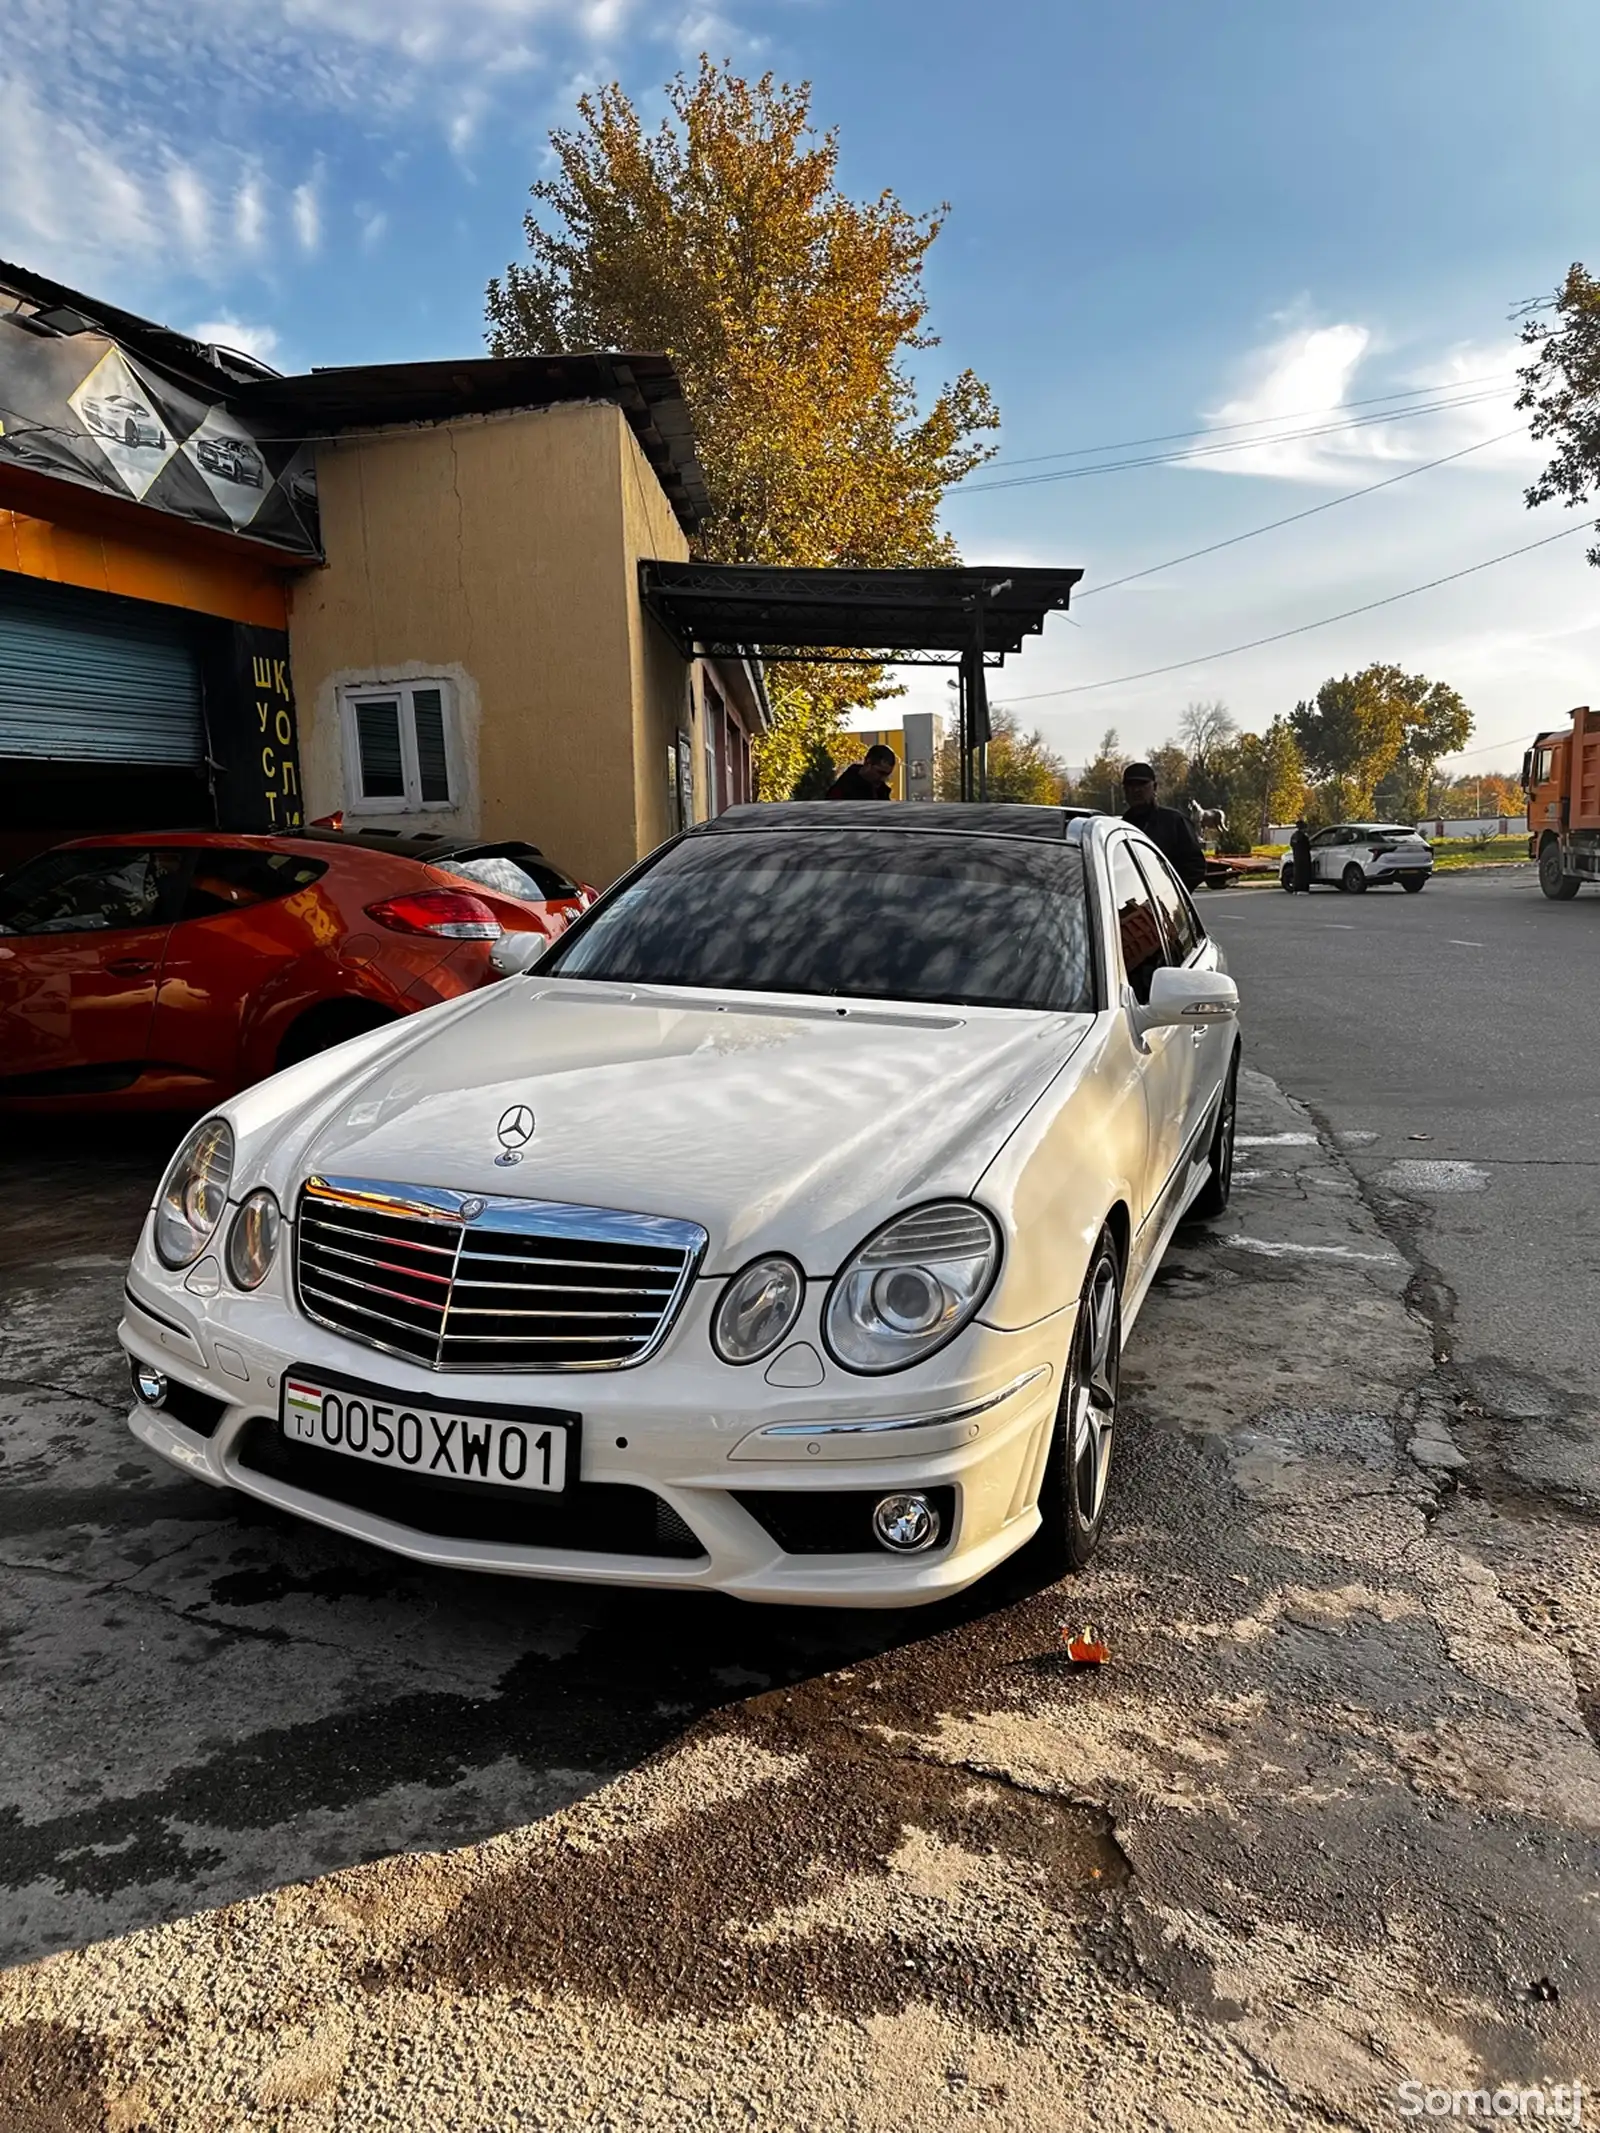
(1561, 776)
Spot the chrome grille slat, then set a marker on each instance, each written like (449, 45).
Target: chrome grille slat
(526, 1286)
(378, 1236)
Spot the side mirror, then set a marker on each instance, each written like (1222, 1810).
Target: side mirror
(514, 954)
(1192, 999)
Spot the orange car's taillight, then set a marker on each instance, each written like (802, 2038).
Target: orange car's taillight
(446, 914)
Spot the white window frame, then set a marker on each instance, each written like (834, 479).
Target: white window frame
(410, 802)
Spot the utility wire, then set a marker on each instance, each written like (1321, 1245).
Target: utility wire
(1272, 526)
(1217, 429)
(1215, 451)
(1176, 666)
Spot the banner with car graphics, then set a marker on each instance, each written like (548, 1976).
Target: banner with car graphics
(78, 407)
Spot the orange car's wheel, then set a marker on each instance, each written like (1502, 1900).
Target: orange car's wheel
(328, 1024)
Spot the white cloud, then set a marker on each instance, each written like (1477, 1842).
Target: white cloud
(191, 205)
(250, 215)
(258, 341)
(1305, 413)
(373, 225)
(141, 134)
(306, 215)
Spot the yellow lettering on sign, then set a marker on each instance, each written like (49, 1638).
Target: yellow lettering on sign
(285, 726)
(290, 782)
(280, 678)
(272, 805)
(263, 672)
(263, 712)
(269, 767)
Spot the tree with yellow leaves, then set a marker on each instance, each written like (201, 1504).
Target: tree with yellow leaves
(723, 239)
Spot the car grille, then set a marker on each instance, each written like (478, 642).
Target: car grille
(461, 1282)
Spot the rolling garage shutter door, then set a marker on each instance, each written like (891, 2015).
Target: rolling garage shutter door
(85, 678)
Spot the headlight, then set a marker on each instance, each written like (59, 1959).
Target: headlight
(253, 1239)
(912, 1286)
(194, 1193)
(758, 1309)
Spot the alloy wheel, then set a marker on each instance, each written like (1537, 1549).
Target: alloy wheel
(1096, 1367)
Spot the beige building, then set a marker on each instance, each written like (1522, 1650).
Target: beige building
(407, 594)
(474, 657)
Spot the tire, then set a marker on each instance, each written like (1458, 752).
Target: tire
(1558, 885)
(1072, 1498)
(331, 1023)
(1213, 1197)
(1353, 881)
(1413, 888)
(1286, 881)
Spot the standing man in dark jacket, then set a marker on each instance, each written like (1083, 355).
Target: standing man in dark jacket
(1171, 833)
(867, 780)
(1300, 856)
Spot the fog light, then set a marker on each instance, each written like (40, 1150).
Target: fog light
(150, 1384)
(905, 1523)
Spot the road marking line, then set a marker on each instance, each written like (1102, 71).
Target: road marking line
(1468, 944)
(1337, 925)
(1275, 1140)
(1309, 1251)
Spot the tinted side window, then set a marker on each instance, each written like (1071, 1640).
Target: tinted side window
(532, 879)
(1184, 930)
(90, 892)
(231, 881)
(1143, 949)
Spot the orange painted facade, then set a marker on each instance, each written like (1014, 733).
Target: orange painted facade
(239, 589)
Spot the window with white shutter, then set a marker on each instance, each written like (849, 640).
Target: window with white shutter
(399, 745)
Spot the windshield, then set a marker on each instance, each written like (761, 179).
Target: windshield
(853, 914)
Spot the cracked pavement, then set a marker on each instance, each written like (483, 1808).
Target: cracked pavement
(497, 1855)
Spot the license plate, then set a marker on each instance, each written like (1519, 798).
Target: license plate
(508, 1447)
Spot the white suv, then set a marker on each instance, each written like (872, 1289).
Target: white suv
(1360, 855)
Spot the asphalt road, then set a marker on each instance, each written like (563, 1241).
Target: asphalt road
(1460, 1027)
(497, 1853)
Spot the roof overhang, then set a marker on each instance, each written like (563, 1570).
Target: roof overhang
(853, 617)
(369, 396)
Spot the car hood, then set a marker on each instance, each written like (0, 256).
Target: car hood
(778, 1124)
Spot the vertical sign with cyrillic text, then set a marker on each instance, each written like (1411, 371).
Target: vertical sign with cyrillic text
(254, 736)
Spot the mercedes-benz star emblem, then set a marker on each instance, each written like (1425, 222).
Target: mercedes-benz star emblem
(515, 1130)
(471, 1209)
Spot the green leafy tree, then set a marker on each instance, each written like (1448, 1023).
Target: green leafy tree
(1264, 777)
(1561, 390)
(1101, 783)
(1021, 766)
(816, 774)
(1361, 728)
(790, 309)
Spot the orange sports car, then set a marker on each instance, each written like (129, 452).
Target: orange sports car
(164, 972)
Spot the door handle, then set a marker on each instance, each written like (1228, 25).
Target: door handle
(129, 966)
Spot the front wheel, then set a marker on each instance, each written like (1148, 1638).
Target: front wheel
(1353, 881)
(1072, 1499)
(1560, 886)
(1212, 1198)
(1286, 880)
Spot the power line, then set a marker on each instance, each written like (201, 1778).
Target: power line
(1216, 451)
(1176, 666)
(1217, 429)
(1294, 516)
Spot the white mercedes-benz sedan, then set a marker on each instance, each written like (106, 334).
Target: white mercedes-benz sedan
(779, 1232)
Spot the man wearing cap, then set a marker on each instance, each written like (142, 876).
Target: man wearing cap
(1171, 833)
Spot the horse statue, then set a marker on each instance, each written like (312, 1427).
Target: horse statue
(1209, 822)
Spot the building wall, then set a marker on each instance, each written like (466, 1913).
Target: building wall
(157, 567)
(499, 554)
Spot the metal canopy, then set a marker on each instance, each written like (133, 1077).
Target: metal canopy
(854, 617)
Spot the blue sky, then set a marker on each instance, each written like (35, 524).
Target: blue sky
(1164, 214)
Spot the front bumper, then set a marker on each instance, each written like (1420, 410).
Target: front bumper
(704, 1439)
